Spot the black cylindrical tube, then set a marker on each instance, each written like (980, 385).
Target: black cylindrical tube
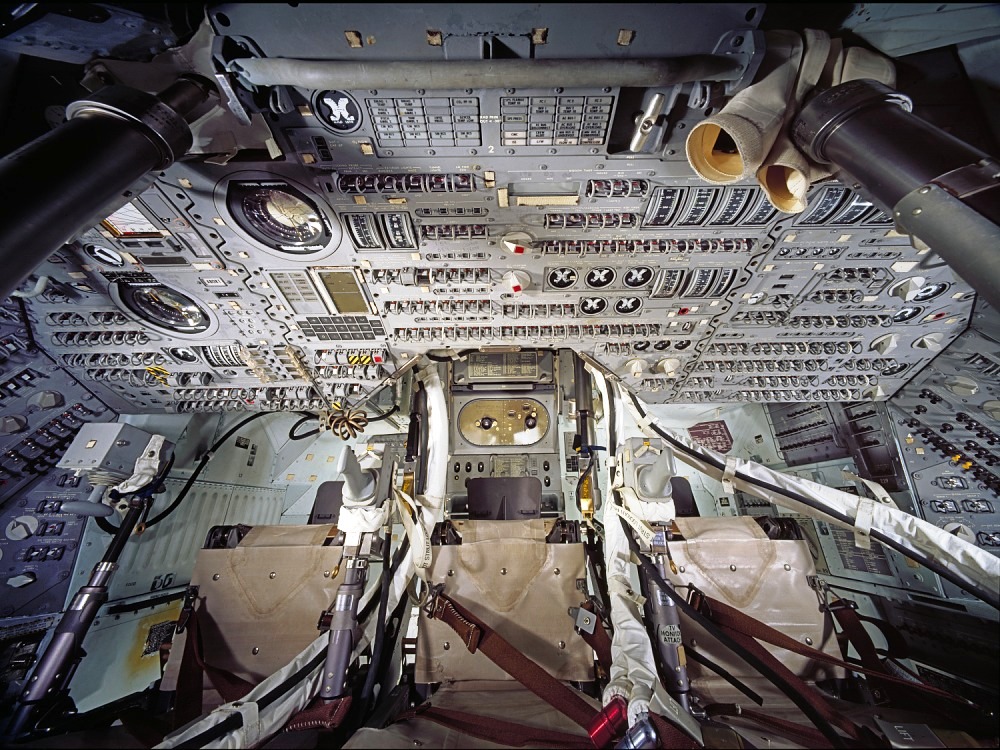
(584, 405)
(59, 184)
(867, 130)
(55, 185)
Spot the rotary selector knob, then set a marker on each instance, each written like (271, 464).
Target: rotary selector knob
(12, 423)
(21, 580)
(516, 282)
(908, 289)
(486, 423)
(47, 400)
(517, 243)
(530, 422)
(931, 342)
(961, 385)
(21, 528)
(885, 344)
(634, 368)
(960, 530)
(669, 366)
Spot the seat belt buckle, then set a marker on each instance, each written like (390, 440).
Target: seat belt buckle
(187, 609)
(430, 607)
(838, 604)
(697, 599)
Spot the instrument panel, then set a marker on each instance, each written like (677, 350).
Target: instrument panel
(373, 225)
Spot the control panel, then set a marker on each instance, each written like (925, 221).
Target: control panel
(366, 226)
(945, 422)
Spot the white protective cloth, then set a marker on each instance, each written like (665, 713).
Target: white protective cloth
(751, 120)
(438, 430)
(147, 466)
(751, 136)
(267, 721)
(631, 673)
(966, 561)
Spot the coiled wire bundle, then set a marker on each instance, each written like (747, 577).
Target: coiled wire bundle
(347, 423)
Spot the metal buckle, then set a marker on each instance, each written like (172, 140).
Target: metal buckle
(697, 599)
(187, 609)
(432, 595)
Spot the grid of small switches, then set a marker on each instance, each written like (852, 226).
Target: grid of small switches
(554, 121)
(435, 121)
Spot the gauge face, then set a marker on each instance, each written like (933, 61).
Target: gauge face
(598, 278)
(894, 369)
(562, 278)
(279, 216)
(637, 277)
(628, 305)
(183, 354)
(907, 313)
(593, 305)
(166, 308)
(929, 292)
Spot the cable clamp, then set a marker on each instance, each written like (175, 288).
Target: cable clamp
(863, 523)
(728, 474)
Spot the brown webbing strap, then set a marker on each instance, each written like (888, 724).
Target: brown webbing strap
(788, 729)
(320, 714)
(808, 693)
(670, 736)
(739, 622)
(230, 686)
(190, 685)
(478, 636)
(497, 730)
(599, 639)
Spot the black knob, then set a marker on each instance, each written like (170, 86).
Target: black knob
(487, 422)
(530, 422)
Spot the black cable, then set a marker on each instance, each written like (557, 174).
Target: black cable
(201, 466)
(26, 321)
(807, 708)
(990, 597)
(292, 435)
(386, 415)
(376, 656)
(397, 560)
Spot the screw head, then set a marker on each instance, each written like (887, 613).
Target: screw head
(446, 645)
(809, 641)
(272, 574)
(732, 568)
(787, 566)
(503, 571)
(255, 650)
(216, 577)
(562, 644)
(557, 571)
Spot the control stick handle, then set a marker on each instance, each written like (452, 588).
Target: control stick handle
(359, 484)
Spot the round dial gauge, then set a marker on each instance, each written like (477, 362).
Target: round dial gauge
(907, 313)
(279, 216)
(283, 216)
(165, 307)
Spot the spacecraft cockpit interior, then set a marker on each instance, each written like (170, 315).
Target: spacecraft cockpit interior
(499, 375)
